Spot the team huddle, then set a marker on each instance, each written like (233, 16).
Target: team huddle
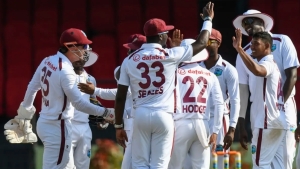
(173, 106)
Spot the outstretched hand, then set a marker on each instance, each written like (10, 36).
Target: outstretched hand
(176, 38)
(237, 41)
(208, 11)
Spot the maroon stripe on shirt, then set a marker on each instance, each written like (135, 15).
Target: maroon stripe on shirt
(130, 56)
(62, 142)
(163, 51)
(60, 63)
(175, 101)
(278, 39)
(247, 47)
(259, 140)
(266, 108)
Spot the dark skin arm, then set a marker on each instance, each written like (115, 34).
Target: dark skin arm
(228, 139)
(243, 133)
(119, 111)
(203, 37)
(291, 79)
(256, 69)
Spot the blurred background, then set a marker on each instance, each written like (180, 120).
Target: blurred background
(30, 31)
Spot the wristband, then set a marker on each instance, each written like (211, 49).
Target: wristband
(207, 25)
(207, 19)
(118, 126)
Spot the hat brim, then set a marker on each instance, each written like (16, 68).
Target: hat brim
(130, 46)
(169, 27)
(201, 56)
(268, 20)
(92, 59)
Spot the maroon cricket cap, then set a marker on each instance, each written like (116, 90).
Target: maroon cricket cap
(135, 41)
(156, 26)
(74, 35)
(216, 35)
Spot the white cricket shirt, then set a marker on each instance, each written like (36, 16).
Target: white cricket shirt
(150, 73)
(195, 86)
(228, 79)
(78, 115)
(57, 80)
(285, 56)
(267, 108)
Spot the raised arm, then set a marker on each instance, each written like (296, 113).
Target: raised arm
(256, 69)
(203, 37)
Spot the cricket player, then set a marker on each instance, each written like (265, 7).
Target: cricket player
(195, 85)
(267, 116)
(150, 73)
(81, 131)
(135, 42)
(228, 79)
(285, 56)
(56, 79)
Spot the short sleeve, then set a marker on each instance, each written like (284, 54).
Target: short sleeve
(269, 65)
(182, 53)
(289, 53)
(124, 77)
(241, 69)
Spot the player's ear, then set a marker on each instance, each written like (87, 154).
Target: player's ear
(160, 37)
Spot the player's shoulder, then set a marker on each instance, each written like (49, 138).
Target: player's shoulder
(228, 66)
(280, 38)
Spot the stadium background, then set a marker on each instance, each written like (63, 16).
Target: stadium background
(30, 29)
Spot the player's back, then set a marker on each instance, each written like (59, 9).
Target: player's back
(194, 88)
(151, 71)
(54, 101)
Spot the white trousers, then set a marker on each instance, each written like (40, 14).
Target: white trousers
(269, 148)
(56, 136)
(187, 142)
(298, 157)
(291, 112)
(152, 139)
(127, 159)
(81, 144)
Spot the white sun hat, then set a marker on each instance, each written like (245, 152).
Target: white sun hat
(268, 20)
(93, 57)
(203, 55)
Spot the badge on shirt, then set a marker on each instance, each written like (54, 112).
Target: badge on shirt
(253, 149)
(89, 153)
(273, 47)
(218, 72)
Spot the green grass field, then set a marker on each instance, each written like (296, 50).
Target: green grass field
(246, 156)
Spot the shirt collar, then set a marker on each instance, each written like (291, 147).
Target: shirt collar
(64, 58)
(219, 62)
(267, 57)
(151, 45)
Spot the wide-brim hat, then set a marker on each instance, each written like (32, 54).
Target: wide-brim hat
(268, 20)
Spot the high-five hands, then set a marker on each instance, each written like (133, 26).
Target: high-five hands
(237, 41)
(176, 38)
(208, 11)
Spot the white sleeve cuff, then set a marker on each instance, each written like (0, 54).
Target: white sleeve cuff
(207, 25)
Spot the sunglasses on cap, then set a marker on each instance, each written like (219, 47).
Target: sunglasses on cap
(249, 21)
(210, 41)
